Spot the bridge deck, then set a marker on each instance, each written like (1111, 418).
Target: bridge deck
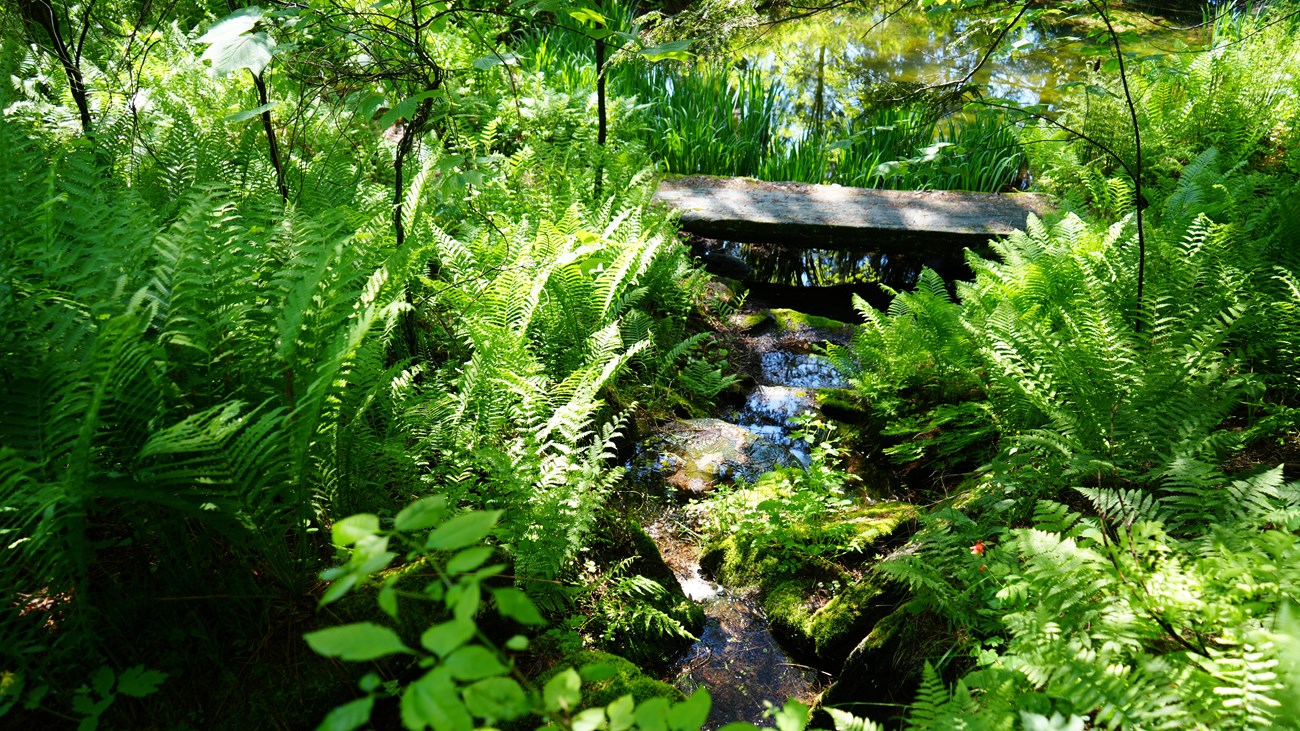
(831, 216)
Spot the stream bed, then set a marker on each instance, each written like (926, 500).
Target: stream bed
(737, 658)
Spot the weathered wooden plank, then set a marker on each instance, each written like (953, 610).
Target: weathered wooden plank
(831, 216)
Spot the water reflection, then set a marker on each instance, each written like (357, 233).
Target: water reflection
(823, 281)
(835, 64)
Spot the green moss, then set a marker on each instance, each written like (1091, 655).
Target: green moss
(796, 591)
(627, 678)
(790, 615)
(836, 628)
(844, 404)
(875, 522)
(794, 321)
(752, 321)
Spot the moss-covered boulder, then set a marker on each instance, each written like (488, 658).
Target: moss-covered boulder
(844, 405)
(884, 669)
(819, 622)
(751, 321)
(817, 605)
(625, 678)
(812, 327)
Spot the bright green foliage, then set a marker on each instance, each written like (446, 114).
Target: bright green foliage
(1150, 589)
(1114, 617)
(467, 680)
(790, 513)
(200, 380)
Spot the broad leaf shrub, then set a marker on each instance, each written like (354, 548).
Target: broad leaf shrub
(466, 680)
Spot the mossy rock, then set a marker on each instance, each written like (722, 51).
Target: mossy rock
(878, 522)
(627, 678)
(751, 322)
(798, 593)
(825, 631)
(884, 669)
(844, 405)
(800, 323)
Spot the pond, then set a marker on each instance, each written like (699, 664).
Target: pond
(849, 55)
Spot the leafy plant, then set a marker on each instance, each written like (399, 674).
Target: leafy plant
(465, 678)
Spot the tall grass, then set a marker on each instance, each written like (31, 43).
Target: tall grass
(718, 119)
(706, 120)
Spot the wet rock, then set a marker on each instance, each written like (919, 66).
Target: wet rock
(694, 456)
(799, 370)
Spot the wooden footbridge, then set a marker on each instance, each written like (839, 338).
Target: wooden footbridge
(831, 216)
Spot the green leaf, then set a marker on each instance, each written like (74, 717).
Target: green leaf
(494, 699)
(349, 716)
(586, 16)
(443, 639)
(464, 600)
(793, 716)
(563, 692)
(359, 641)
(469, 559)
(463, 530)
(138, 682)
(621, 713)
(674, 50)
(652, 715)
(484, 63)
(432, 701)
(231, 46)
(387, 600)
(516, 605)
(690, 714)
(404, 109)
(473, 662)
(845, 721)
(518, 643)
(339, 589)
(102, 680)
(589, 719)
(248, 114)
(354, 528)
(423, 513)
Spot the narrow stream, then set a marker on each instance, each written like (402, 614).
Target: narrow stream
(736, 657)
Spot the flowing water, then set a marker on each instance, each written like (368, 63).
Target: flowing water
(736, 658)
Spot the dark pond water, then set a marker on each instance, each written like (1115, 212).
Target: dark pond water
(823, 281)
